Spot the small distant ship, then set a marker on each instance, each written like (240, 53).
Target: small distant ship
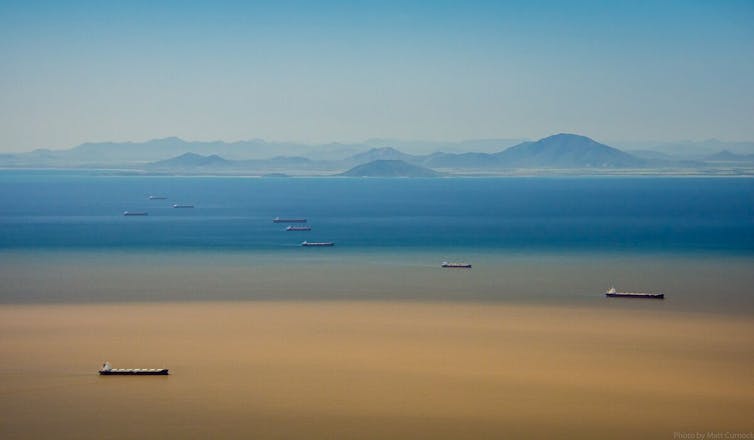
(298, 228)
(157, 198)
(288, 220)
(108, 370)
(456, 265)
(612, 293)
(128, 213)
(183, 206)
(317, 243)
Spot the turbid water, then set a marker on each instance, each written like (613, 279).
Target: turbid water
(371, 338)
(341, 369)
(719, 284)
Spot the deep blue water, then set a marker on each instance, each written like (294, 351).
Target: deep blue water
(54, 210)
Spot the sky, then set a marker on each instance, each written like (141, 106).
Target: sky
(346, 71)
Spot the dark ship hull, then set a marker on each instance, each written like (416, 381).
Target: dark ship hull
(636, 295)
(135, 372)
(288, 220)
(456, 265)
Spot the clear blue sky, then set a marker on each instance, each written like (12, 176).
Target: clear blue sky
(324, 71)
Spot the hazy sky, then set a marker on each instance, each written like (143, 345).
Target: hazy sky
(312, 71)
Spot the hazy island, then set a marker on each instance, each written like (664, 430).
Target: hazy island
(389, 168)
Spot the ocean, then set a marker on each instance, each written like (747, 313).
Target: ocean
(63, 238)
(71, 210)
(371, 338)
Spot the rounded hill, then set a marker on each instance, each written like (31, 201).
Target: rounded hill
(389, 168)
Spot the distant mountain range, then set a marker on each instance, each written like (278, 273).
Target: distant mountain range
(132, 153)
(697, 150)
(196, 162)
(558, 151)
(727, 156)
(170, 155)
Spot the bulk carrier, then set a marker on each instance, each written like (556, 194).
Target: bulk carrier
(612, 293)
(288, 220)
(108, 370)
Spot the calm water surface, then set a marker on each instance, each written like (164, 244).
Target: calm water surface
(63, 238)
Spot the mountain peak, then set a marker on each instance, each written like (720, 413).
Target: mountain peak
(565, 136)
(383, 150)
(389, 168)
(568, 138)
(191, 160)
(171, 139)
(380, 153)
(566, 150)
(189, 155)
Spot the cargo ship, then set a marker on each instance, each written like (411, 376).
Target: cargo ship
(288, 220)
(317, 243)
(108, 370)
(183, 206)
(456, 265)
(612, 293)
(157, 198)
(127, 213)
(298, 228)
